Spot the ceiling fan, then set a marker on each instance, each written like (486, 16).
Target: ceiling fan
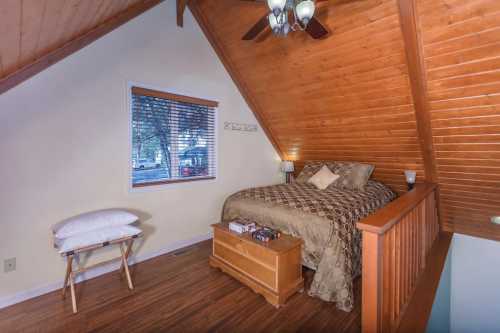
(289, 15)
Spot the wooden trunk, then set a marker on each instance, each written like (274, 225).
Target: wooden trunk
(271, 269)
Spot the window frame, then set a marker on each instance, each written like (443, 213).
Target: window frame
(163, 93)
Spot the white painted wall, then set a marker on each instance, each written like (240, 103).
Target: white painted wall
(475, 290)
(439, 321)
(64, 144)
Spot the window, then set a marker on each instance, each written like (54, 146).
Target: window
(173, 138)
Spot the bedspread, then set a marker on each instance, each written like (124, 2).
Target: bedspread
(325, 220)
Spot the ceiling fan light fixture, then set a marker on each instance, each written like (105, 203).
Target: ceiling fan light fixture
(286, 16)
(305, 11)
(276, 6)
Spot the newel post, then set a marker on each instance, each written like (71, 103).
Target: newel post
(371, 320)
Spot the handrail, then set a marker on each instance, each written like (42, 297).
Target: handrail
(396, 242)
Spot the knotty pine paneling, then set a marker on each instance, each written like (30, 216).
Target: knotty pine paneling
(30, 29)
(346, 97)
(461, 41)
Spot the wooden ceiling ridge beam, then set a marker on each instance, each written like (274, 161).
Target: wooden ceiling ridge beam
(417, 74)
(235, 75)
(181, 8)
(74, 45)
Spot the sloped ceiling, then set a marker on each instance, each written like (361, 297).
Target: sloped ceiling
(37, 33)
(343, 98)
(351, 96)
(461, 46)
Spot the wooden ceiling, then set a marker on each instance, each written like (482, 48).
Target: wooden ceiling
(461, 44)
(346, 97)
(37, 33)
(402, 84)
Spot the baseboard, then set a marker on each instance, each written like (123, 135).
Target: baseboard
(100, 270)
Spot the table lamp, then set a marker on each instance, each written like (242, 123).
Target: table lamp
(287, 168)
(410, 178)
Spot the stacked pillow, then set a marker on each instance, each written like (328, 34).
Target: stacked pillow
(351, 175)
(94, 228)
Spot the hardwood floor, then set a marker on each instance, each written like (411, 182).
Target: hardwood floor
(177, 292)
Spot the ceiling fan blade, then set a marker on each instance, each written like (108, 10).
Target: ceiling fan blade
(257, 28)
(316, 29)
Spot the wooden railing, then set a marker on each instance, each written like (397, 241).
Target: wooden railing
(396, 242)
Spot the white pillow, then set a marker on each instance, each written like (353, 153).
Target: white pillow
(96, 236)
(323, 178)
(91, 221)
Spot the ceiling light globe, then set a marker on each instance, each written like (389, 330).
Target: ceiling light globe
(276, 6)
(274, 24)
(305, 11)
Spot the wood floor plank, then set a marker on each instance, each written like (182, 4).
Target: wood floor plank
(177, 292)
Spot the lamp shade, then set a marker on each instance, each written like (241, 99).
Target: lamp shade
(287, 166)
(305, 11)
(276, 6)
(273, 23)
(410, 176)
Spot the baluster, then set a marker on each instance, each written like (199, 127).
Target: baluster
(386, 280)
(398, 269)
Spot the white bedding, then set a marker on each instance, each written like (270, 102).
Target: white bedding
(95, 237)
(84, 223)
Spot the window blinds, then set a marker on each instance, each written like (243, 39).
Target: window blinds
(173, 138)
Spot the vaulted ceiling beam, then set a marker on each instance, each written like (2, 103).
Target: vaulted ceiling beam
(181, 7)
(35, 67)
(418, 82)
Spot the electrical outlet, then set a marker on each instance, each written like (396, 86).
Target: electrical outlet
(9, 265)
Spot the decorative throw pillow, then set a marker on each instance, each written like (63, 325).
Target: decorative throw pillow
(310, 168)
(353, 176)
(323, 178)
(93, 220)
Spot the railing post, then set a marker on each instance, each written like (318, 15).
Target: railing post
(372, 283)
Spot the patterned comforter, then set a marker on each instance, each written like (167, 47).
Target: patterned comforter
(325, 220)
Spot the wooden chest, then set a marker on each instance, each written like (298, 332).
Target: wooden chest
(271, 269)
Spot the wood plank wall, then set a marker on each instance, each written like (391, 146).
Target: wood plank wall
(461, 41)
(343, 98)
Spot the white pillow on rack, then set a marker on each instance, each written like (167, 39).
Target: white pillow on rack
(91, 221)
(96, 236)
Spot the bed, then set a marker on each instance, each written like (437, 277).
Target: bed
(324, 219)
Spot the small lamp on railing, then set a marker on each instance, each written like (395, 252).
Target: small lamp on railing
(410, 178)
(495, 219)
(287, 168)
